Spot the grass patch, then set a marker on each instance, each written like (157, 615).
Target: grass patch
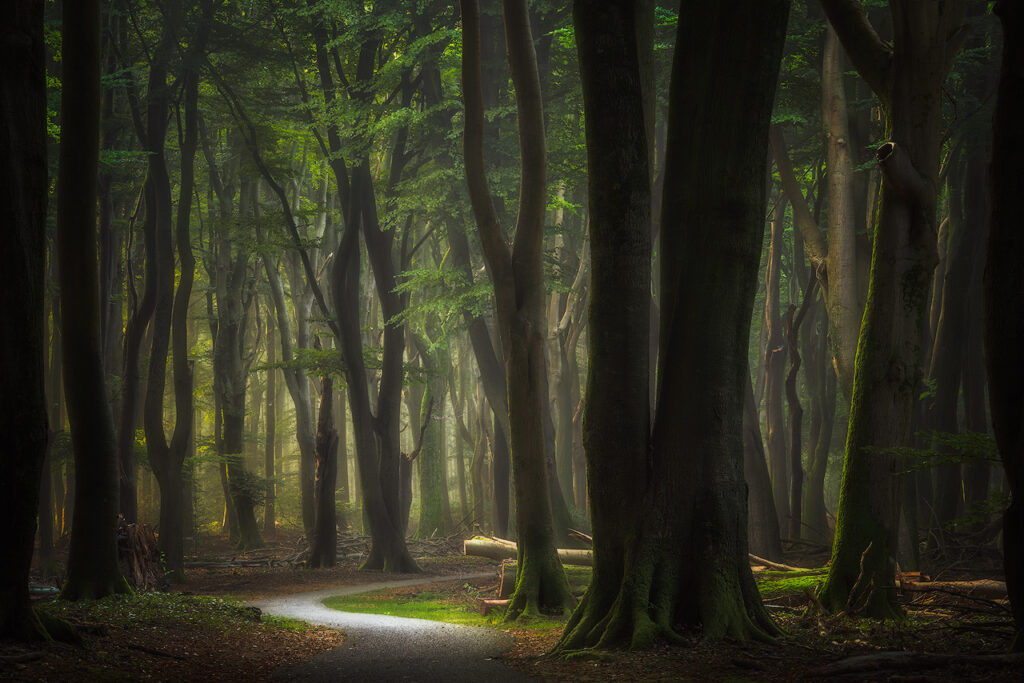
(148, 609)
(456, 607)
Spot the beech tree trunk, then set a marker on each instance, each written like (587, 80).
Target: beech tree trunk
(518, 280)
(907, 76)
(1004, 299)
(684, 562)
(775, 371)
(325, 530)
(23, 416)
(92, 559)
(762, 521)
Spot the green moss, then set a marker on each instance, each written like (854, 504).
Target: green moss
(433, 607)
(780, 584)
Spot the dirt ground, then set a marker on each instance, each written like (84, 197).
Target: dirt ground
(955, 629)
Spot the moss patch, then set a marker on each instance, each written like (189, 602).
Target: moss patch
(454, 604)
(779, 584)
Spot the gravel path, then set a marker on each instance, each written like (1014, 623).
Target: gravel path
(384, 648)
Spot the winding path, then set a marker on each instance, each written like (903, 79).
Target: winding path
(385, 648)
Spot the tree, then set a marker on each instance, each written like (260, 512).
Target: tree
(907, 77)
(92, 559)
(670, 548)
(22, 294)
(171, 311)
(518, 278)
(323, 546)
(1004, 299)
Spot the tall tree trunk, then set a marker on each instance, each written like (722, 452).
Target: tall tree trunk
(92, 559)
(793, 320)
(1004, 299)
(23, 416)
(762, 520)
(949, 352)
(518, 278)
(270, 438)
(907, 76)
(325, 530)
(170, 318)
(696, 452)
(775, 371)
(821, 381)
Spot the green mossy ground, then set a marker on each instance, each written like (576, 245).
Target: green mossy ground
(458, 607)
(143, 609)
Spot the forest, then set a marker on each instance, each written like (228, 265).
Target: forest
(642, 309)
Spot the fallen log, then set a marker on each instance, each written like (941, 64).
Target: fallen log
(754, 559)
(499, 549)
(982, 588)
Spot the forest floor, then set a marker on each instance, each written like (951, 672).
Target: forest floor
(955, 636)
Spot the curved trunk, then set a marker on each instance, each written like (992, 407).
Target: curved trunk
(518, 280)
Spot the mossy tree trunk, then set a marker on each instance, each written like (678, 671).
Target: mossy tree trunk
(907, 77)
(22, 294)
(518, 278)
(670, 532)
(1004, 299)
(92, 559)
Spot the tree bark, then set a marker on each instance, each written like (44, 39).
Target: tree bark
(92, 559)
(1004, 299)
(775, 371)
(22, 294)
(793, 320)
(763, 534)
(325, 530)
(685, 562)
(518, 279)
(908, 78)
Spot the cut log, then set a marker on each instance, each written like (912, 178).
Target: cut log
(983, 588)
(508, 579)
(488, 606)
(486, 547)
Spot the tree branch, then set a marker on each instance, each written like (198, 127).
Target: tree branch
(814, 243)
(870, 54)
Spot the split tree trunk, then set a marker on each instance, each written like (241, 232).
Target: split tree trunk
(679, 564)
(518, 280)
